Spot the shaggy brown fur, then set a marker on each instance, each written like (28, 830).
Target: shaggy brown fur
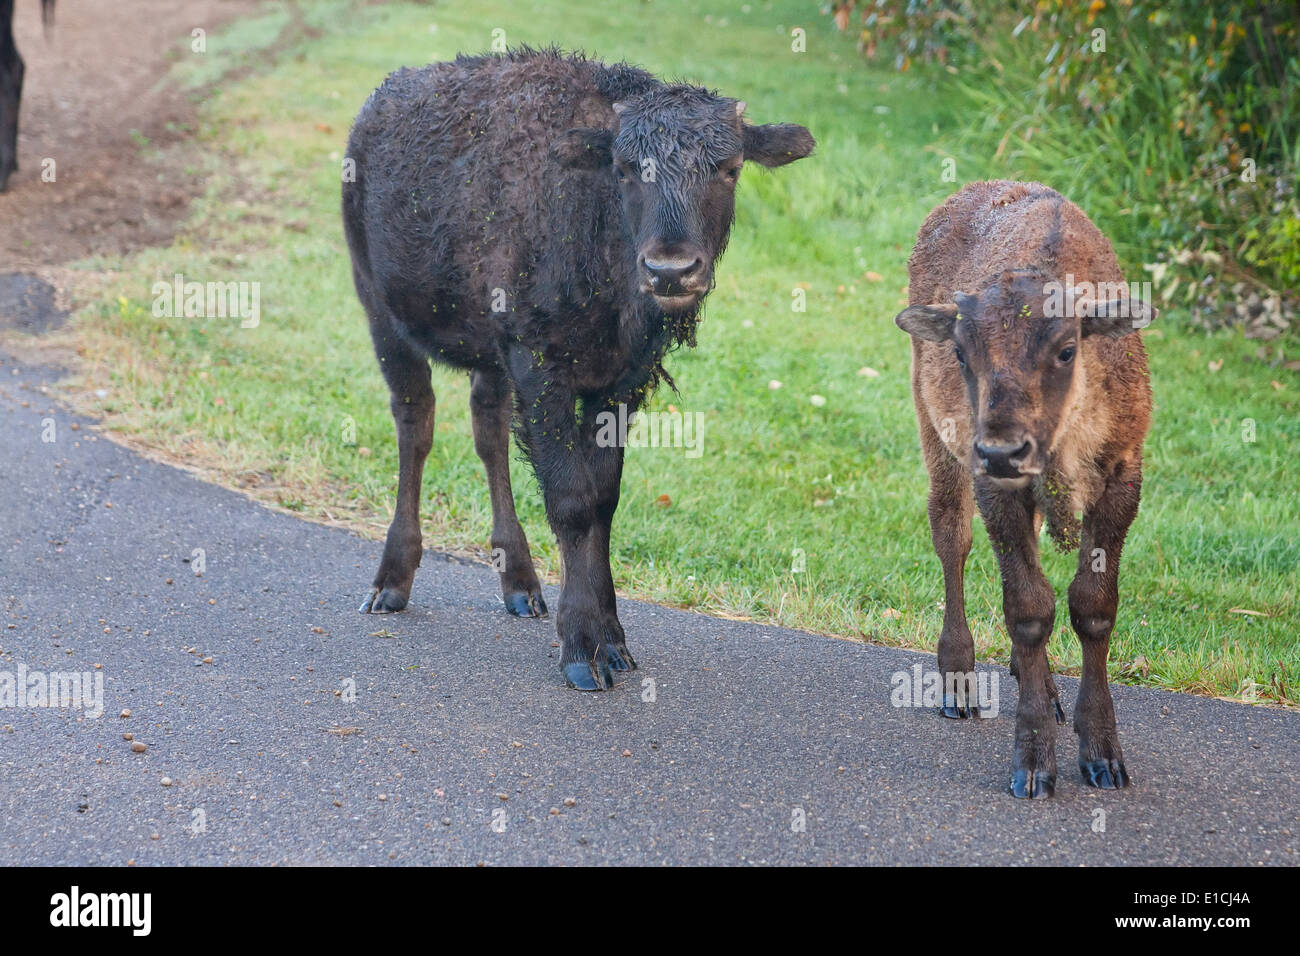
(1033, 415)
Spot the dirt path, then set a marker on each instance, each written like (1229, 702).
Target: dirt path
(92, 95)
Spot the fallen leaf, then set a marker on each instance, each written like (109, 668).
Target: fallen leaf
(1138, 665)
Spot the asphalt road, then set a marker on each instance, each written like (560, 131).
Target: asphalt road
(460, 743)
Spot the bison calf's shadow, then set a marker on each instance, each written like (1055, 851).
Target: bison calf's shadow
(1031, 391)
(551, 224)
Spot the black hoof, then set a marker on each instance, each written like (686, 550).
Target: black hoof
(620, 658)
(1028, 784)
(1060, 714)
(951, 708)
(522, 604)
(1105, 774)
(386, 601)
(585, 675)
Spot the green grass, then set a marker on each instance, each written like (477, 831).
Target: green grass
(267, 408)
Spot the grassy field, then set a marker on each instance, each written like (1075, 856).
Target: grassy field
(783, 478)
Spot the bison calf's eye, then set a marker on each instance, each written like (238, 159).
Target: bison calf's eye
(1066, 355)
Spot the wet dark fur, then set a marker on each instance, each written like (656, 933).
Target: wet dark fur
(470, 201)
(499, 181)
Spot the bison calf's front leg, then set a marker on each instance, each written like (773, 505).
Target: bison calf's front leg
(580, 479)
(591, 636)
(950, 510)
(1029, 606)
(1094, 601)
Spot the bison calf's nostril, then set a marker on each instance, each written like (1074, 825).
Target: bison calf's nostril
(670, 275)
(1003, 460)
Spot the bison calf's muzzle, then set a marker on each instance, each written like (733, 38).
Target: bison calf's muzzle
(1009, 462)
(676, 280)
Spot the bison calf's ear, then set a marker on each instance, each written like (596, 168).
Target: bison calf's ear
(1115, 318)
(930, 322)
(777, 144)
(584, 148)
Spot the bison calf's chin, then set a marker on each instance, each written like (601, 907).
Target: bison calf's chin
(1033, 413)
(550, 224)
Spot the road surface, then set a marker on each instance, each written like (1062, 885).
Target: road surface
(445, 735)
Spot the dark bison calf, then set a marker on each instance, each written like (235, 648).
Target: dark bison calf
(11, 87)
(551, 224)
(1029, 376)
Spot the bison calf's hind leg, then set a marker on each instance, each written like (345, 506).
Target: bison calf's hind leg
(490, 404)
(1094, 601)
(412, 404)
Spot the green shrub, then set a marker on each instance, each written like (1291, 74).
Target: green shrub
(1176, 125)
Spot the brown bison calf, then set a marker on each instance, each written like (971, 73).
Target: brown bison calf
(1031, 392)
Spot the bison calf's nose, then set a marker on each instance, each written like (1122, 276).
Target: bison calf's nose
(1004, 460)
(677, 275)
